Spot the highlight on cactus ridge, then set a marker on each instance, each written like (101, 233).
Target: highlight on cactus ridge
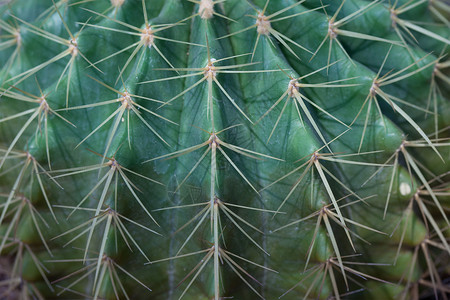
(227, 149)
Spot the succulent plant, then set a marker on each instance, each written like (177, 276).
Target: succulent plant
(241, 149)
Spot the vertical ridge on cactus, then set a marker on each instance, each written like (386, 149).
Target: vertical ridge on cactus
(245, 149)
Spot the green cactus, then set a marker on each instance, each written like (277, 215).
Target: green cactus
(241, 149)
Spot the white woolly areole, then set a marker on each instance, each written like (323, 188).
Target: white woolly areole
(147, 36)
(263, 25)
(206, 9)
(117, 3)
(405, 189)
(43, 103)
(126, 100)
(73, 47)
(291, 87)
(210, 69)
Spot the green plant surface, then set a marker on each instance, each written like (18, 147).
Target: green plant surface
(224, 149)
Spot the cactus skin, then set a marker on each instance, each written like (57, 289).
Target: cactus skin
(106, 195)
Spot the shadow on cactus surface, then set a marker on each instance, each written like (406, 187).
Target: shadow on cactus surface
(228, 149)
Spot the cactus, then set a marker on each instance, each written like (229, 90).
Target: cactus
(206, 149)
